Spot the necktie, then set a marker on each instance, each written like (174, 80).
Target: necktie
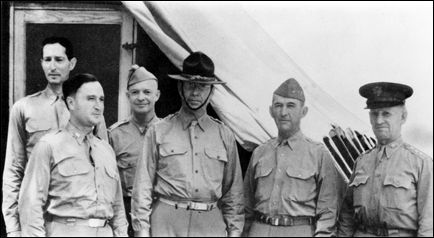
(62, 113)
(380, 155)
(89, 149)
(191, 130)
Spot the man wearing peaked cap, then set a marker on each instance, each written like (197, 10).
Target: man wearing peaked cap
(127, 136)
(291, 184)
(391, 190)
(190, 163)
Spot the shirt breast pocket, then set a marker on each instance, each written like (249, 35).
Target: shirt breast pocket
(214, 163)
(36, 129)
(300, 185)
(360, 191)
(397, 191)
(172, 160)
(127, 169)
(72, 166)
(111, 183)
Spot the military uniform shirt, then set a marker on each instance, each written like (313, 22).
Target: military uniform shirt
(295, 177)
(391, 186)
(71, 175)
(30, 118)
(186, 163)
(127, 138)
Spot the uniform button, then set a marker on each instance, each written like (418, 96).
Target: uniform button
(195, 154)
(171, 151)
(197, 171)
(197, 190)
(195, 137)
(279, 170)
(218, 157)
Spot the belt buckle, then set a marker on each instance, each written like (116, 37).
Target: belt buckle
(93, 222)
(274, 221)
(198, 206)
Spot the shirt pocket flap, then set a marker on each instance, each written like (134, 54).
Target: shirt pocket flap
(38, 125)
(218, 154)
(358, 180)
(262, 171)
(112, 173)
(299, 173)
(397, 181)
(126, 162)
(167, 150)
(70, 166)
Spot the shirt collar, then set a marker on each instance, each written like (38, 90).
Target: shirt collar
(78, 135)
(203, 122)
(291, 141)
(52, 96)
(391, 148)
(144, 129)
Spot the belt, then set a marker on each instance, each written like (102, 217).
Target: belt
(72, 221)
(284, 220)
(190, 205)
(382, 231)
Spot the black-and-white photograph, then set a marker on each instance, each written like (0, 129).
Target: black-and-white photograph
(224, 119)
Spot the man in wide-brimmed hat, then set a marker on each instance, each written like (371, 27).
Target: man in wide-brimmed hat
(190, 166)
(391, 190)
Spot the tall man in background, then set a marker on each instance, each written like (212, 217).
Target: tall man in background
(34, 116)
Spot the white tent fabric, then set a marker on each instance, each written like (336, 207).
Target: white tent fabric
(246, 58)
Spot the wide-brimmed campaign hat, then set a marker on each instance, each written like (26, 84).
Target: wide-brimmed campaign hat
(197, 68)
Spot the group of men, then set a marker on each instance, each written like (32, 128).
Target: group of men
(66, 175)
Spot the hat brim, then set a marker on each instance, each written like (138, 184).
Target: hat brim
(202, 81)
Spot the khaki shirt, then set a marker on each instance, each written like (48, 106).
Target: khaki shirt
(203, 167)
(392, 188)
(127, 139)
(30, 118)
(295, 177)
(62, 181)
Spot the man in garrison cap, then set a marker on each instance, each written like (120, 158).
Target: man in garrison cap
(391, 190)
(127, 136)
(291, 184)
(190, 166)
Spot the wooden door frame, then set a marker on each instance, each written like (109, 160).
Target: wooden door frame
(67, 13)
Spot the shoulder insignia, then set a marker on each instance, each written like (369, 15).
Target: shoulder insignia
(416, 152)
(35, 94)
(117, 124)
(217, 120)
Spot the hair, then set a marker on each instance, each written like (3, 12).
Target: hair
(71, 85)
(69, 51)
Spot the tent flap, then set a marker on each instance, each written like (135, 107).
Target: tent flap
(246, 58)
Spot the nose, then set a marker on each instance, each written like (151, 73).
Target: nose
(99, 105)
(141, 96)
(51, 65)
(379, 120)
(284, 111)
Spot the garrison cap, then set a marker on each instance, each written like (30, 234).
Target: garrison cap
(290, 89)
(385, 94)
(138, 74)
(197, 68)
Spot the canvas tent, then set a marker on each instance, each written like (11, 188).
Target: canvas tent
(246, 58)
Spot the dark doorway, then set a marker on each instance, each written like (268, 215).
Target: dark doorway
(97, 49)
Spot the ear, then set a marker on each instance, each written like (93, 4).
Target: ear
(180, 86)
(270, 110)
(157, 95)
(70, 102)
(404, 116)
(304, 111)
(72, 63)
